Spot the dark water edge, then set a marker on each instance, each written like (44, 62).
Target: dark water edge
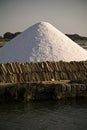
(44, 115)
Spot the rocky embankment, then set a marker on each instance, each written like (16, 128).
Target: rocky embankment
(42, 91)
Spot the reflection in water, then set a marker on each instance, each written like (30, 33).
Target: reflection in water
(47, 115)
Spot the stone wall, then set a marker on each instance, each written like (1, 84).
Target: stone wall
(42, 71)
(42, 91)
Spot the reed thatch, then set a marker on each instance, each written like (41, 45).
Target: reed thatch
(43, 71)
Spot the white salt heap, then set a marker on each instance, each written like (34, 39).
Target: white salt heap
(41, 42)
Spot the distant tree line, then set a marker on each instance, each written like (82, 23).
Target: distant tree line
(76, 37)
(9, 35)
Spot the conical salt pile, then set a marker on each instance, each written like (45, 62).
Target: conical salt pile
(41, 42)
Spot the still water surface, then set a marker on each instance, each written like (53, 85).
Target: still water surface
(47, 115)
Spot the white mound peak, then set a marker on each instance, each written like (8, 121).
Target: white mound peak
(41, 42)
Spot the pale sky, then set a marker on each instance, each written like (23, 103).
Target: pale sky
(69, 16)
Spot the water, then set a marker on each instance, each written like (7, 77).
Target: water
(47, 115)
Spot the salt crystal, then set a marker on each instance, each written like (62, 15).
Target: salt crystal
(42, 42)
